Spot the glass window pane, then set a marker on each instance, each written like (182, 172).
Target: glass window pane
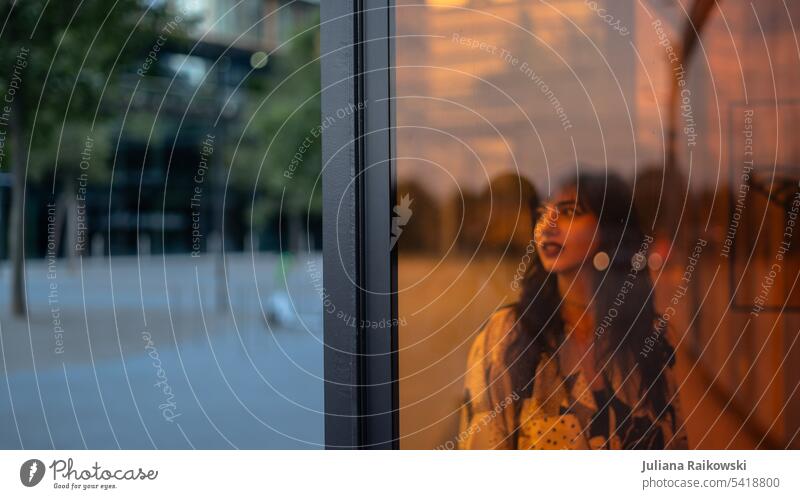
(161, 246)
(597, 196)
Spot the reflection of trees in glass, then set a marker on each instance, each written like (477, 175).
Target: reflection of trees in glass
(74, 49)
(418, 235)
(495, 220)
(498, 219)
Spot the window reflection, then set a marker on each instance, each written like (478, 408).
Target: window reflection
(500, 105)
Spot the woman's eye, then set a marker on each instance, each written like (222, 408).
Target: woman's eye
(568, 211)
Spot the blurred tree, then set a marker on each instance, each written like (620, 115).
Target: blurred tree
(58, 60)
(280, 151)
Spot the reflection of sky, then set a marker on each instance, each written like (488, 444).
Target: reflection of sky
(191, 68)
(614, 89)
(249, 24)
(223, 20)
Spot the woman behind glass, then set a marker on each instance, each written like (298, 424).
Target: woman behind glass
(581, 361)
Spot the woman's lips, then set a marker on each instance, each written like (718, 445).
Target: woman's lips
(550, 249)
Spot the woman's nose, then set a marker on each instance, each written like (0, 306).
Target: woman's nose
(547, 226)
(550, 219)
(550, 227)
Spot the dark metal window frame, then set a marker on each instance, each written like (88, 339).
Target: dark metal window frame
(359, 263)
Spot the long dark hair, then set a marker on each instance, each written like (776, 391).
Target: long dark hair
(619, 339)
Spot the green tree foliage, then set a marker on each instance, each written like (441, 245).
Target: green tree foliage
(58, 61)
(280, 150)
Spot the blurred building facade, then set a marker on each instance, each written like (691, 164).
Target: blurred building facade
(165, 114)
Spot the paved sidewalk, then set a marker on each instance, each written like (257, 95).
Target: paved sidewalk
(143, 365)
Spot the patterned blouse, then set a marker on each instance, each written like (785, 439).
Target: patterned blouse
(562, 412)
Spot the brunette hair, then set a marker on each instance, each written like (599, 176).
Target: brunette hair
(619, 339)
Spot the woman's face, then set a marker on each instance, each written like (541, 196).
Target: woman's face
(565, 233)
